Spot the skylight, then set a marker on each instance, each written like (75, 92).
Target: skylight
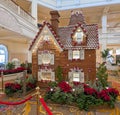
(70, 4)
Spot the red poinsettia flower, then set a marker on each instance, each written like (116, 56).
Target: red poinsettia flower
(13, 86)
(90, 91)
(104, 95)
(76, 83)
(65, 87)
(112, 91)
(79, 83)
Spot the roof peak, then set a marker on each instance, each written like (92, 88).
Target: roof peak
(76, 17)
(77, 12)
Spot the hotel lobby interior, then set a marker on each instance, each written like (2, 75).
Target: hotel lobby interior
(59, 57)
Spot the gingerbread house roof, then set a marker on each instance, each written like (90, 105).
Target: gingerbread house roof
(53, 33)
(92, 37)
(64, 33)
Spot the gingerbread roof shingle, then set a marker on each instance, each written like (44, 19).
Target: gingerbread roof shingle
(92, 37)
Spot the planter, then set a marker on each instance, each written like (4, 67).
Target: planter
(20, 94)
(43, 84)
(10, 77)
(73, 110)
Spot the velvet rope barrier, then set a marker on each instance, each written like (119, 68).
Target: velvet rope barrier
(15, 103)
(45, 106)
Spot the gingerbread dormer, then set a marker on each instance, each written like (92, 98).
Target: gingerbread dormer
(79, 35)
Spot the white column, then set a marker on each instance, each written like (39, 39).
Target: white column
(104, 44)
(34, 9)
(104, 23)
(104, 30)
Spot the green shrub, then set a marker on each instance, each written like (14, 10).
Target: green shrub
(10, 65)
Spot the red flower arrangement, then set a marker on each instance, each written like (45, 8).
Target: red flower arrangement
(65, 87)
(104, 95)
(83, 84)
(113, 92)
(90, 91)
(17, 87)
(17, 70)
(11, 88)
(14, 86)
(81, 94)
(30, 86)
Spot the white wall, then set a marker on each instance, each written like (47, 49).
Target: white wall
(16, 50)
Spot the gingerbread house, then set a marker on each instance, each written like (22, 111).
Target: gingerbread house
(72, 47)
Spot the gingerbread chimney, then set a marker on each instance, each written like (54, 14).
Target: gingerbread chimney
(55, 20)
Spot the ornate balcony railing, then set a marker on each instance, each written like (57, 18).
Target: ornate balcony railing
(12, 6)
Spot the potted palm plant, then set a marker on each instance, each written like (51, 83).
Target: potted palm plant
(104, 54)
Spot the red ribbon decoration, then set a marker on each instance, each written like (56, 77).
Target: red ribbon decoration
(15, 103)
(45, 106)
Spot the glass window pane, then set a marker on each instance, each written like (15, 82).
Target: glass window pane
(3, 54)
(76, 54)
(2, 51)
(76, 77)
(46, 76)
(2, 58)
(79, 36)
(46, 58)
(117, 51)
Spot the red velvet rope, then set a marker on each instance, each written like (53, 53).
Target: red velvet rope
(45, 106)
(15, 103)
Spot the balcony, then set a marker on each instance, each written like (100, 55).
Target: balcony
(14, 18)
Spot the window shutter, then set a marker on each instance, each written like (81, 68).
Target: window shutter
(82, 54)
(52, 76)
(52, 59)
(70, 76)
(70, 54)
(39, 76)
(39, 59)
(82, 77)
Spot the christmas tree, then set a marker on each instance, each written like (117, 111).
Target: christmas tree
(59, 74)
(102, 75)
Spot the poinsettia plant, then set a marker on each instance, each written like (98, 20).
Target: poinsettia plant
(11, 71)
(81, 94)
(12, 88)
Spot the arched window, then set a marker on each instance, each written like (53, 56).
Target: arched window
(3, 56)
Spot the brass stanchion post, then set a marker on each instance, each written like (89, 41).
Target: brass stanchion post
(2, 83)
(37, 95)
(24, 82)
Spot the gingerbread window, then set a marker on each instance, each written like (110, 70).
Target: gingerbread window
(79, 36)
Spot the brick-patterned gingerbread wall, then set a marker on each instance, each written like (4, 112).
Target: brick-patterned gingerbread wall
(61, 58)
